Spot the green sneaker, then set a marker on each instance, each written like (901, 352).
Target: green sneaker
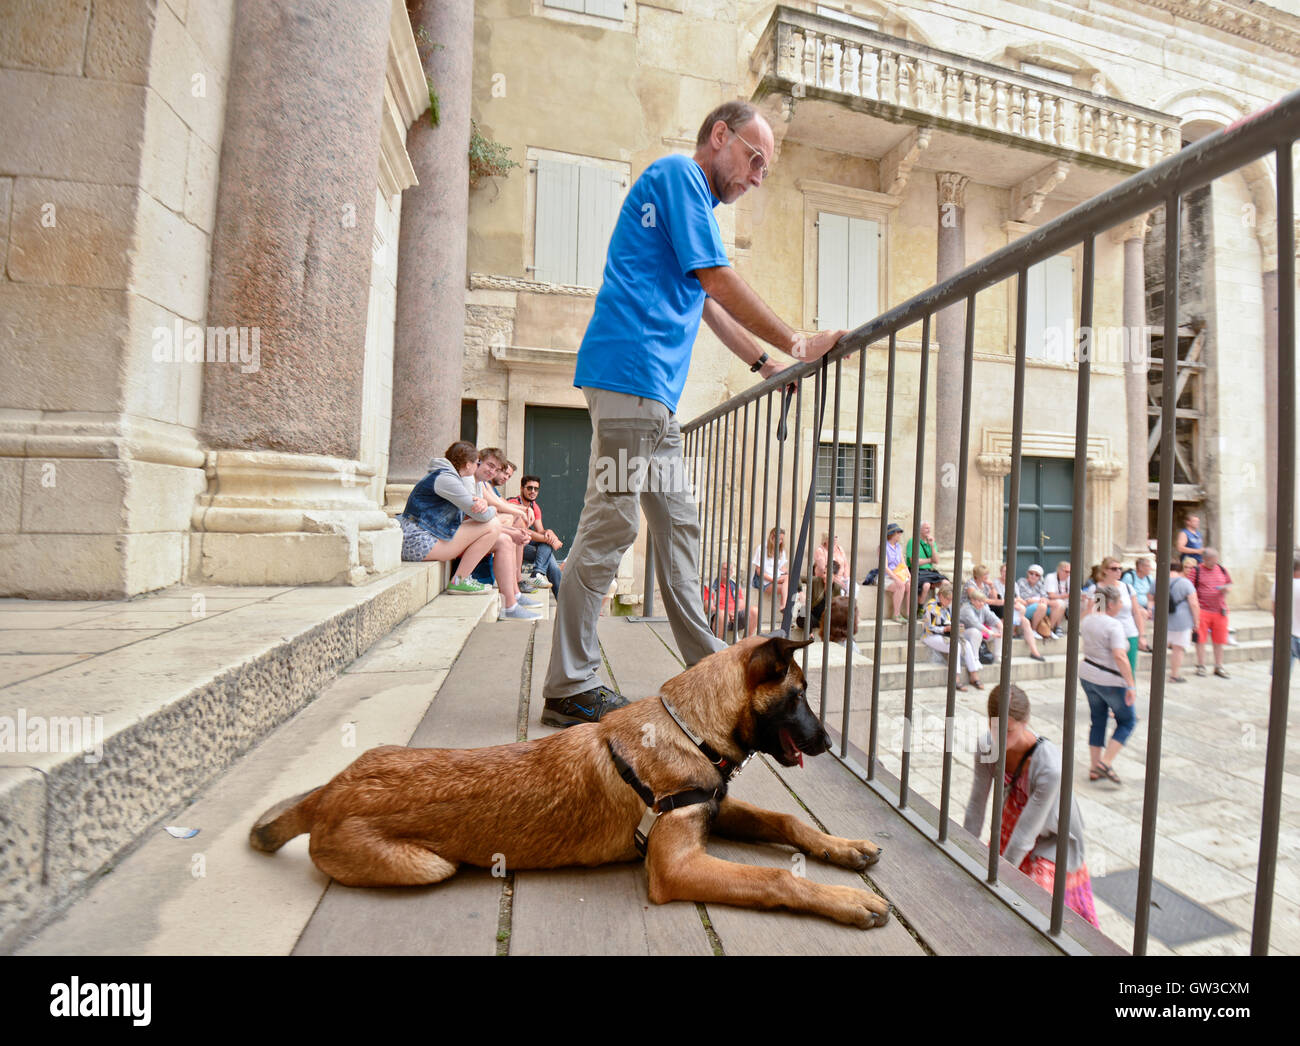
(466, 586)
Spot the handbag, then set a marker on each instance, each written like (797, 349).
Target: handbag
(986, 655)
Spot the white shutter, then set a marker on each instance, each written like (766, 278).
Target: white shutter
(1058, 302)
(555, 246)
(832, 271)
(565, 5)
(600, 194)
(1035, 313)
(606, 8)
(863, 283)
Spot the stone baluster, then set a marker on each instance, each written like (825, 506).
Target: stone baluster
(810, 59)
(952, 95)
(1017, 110)
(968, 98)
(1116, 137)
(1101, 140)
(1048, 123)
(870, 73)
(1130, 140)
(984, 103)
(830, 66)
(1064, 111)
(921, 86)
(1157, 143)
(888, 78)
(852, 63)
(904, 81)
(1032, 109)
(1086, 129)
(1000, 122)
(1144, 144)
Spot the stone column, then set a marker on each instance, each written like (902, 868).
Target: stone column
(430, 335)
(1135, 341)
(291, 265)
(951, 333)
(1269, 281)
(994, 468)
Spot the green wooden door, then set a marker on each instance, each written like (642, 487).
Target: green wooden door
(1046, 513)
(557, 447)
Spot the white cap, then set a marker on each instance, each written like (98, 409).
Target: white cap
(1033, 567)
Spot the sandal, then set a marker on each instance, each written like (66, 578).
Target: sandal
(1109, 773)
(1095, 774)
(961, 687)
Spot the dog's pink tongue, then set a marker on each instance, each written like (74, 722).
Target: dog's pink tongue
(791, 749)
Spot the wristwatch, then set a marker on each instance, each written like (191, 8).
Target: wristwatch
(757, 365)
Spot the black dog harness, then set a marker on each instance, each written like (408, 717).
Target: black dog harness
(727, 768)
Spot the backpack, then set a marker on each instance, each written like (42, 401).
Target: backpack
(1173, 603)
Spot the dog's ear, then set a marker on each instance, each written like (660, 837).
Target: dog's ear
(770, 660)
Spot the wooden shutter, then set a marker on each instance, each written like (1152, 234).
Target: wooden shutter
(566, 5)
(555, 245)
(606, 8)
(1058, 302)
(1035, 313)
(832, 270)
(863, 283)
(600, 195)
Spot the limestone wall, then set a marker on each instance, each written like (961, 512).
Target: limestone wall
(109, 142)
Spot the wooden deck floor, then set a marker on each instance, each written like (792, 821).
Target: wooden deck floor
(493, 695)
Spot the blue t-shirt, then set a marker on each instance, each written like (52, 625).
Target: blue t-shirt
(648, 309)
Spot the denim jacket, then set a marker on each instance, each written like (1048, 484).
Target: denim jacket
(429, 509)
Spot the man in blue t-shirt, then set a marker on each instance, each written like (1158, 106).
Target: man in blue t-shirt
(665, 270)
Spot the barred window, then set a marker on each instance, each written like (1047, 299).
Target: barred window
(843, 472)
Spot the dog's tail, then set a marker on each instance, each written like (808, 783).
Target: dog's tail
(284, 821)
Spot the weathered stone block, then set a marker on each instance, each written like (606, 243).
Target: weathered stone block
(164, 154)
(70, 233)
(117, 47)
(171, 261)
(22, 839)
(379, 551)
(269, 559)
(70, 128)
(74, 496)
(150, 385)
(44, 34)
(11, 494)
(63, 347)
(191, 84)
(212, 27)
(201, 183)
(6, 197)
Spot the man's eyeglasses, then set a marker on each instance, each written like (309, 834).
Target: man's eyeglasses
(757, 163)
(532, 486)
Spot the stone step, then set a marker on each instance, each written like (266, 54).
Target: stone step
(167, 712)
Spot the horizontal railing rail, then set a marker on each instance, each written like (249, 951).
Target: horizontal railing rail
(750, 482)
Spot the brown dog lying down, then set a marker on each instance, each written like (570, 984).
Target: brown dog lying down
(403, 816)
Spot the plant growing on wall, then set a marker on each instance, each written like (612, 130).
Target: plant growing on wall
(487, 159)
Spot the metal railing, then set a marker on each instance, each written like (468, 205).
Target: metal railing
(737, 481)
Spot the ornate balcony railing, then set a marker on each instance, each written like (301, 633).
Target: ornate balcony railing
(802, 54)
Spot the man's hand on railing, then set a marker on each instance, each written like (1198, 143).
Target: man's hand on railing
(816, 346)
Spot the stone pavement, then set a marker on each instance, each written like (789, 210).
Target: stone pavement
(1211, 784)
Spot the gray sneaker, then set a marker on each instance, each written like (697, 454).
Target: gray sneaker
(587, 707)
(524, 601)
(517, 613)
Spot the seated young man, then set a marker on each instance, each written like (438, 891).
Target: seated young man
(540, 551)
(434, 527)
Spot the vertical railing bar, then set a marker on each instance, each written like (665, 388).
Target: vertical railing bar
(880, 567)
(830, 543)
(723, 551)
(767, 468)
(1284, 569)
(806, 566)
(762, 530)
(773, 611)
(732, 540)
(752, 460)
(922, 384)
(1165, 532)
(1012, 540)
(709, 513)
(851, 646)
(1082, 403)
(792, 534)
(959, 542)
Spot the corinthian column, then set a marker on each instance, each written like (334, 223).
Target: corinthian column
(291, 261)
(430, 335)
(950, 328)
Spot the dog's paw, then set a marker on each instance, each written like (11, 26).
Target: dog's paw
(855, 854)
(859, 908)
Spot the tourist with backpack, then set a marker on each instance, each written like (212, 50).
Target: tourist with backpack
(1184, 618)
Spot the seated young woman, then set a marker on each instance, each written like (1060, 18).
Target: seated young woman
(435, 528)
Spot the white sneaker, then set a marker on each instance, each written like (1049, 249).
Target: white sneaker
(517, 613)
(541, 581)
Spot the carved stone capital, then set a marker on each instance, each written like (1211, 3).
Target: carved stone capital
(1104, 468)
(1136, 229)
(952, 188)
(993, 464)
